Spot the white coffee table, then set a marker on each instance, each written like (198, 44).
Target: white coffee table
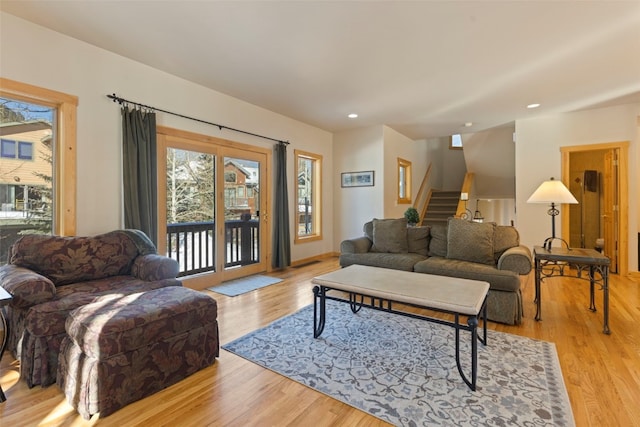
(383, 287)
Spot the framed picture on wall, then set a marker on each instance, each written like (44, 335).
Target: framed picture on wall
(357, 179)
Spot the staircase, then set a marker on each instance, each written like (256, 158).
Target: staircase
(442, 205)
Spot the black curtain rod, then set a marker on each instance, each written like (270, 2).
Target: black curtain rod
(121, 101)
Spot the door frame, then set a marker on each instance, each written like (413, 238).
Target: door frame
(222, 148)
(623, 195)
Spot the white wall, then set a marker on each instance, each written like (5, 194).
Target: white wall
(538, 142)
(357, 150)
(490, 156)
(397, 146)
(37, 56)
(373, 148)
(453, 167)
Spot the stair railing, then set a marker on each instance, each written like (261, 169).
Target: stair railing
(420, 204)
(467, 185)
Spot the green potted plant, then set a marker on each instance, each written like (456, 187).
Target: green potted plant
(412, 216)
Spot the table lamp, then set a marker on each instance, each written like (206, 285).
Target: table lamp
(553, 192)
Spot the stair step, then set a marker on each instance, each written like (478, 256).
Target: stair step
(442, 206)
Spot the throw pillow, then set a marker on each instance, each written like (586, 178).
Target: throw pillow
(505, 237)
(368, 230)
(418, 240)
(470, 241)
(438, 240)
(390, 235)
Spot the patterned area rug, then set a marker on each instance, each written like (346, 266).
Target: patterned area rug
(403, 370)
(243, 285)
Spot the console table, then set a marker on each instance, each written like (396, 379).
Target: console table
(587, 262)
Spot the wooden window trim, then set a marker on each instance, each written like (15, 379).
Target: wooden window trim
(406, 164)
(317, 197)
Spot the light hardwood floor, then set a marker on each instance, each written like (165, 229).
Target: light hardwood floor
(601, 372)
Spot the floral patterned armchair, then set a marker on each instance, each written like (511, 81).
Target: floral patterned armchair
(49, 276)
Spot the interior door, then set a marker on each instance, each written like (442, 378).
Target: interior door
(614, 213)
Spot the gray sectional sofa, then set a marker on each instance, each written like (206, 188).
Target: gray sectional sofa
(469, 250)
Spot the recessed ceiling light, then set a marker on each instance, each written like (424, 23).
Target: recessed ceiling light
(352, 116)
(468, 124)
(533, 105)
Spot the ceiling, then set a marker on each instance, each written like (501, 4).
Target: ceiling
(424, 68)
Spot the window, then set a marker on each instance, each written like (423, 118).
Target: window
(8, 149)
(404, 181)
(46, 120)
(25, 150)
(455, 142)
(229, 176)
(308, 191)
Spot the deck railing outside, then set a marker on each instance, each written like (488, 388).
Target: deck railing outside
(192, 244)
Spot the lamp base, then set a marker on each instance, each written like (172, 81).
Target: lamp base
(549, 240)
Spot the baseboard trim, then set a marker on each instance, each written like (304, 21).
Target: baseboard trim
(304, 261)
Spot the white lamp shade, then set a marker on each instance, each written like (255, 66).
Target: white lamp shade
(552, 191)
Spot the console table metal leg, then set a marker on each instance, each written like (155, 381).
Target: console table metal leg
(605, 292)
(538, 271)
(592, 286)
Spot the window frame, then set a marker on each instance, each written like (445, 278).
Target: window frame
(64, 168)
(453, 146)
(316, 202)
(404, 185)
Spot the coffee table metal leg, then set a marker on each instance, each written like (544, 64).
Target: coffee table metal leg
(319, 310)
(354, 304)
(473, 325)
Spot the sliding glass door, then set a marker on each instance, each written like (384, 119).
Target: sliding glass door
(212, 207)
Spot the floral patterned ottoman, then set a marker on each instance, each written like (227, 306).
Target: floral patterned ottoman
(123, 348)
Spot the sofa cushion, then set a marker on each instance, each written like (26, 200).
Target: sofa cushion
(390, 235)
(385, 260)
(74, 259)
(418, 240)
(499, 280)
(368, 230)
(438, 240)
(470, 241)
(504, 237)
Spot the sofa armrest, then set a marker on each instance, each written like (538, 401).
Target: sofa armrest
(26, 286)
(517, 259)
(359, 245)
(154, 267)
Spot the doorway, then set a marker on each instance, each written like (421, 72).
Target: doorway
(212, 206)
(597, 177)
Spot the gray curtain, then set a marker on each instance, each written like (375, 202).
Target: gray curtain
(281, 234)
(139, 171)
